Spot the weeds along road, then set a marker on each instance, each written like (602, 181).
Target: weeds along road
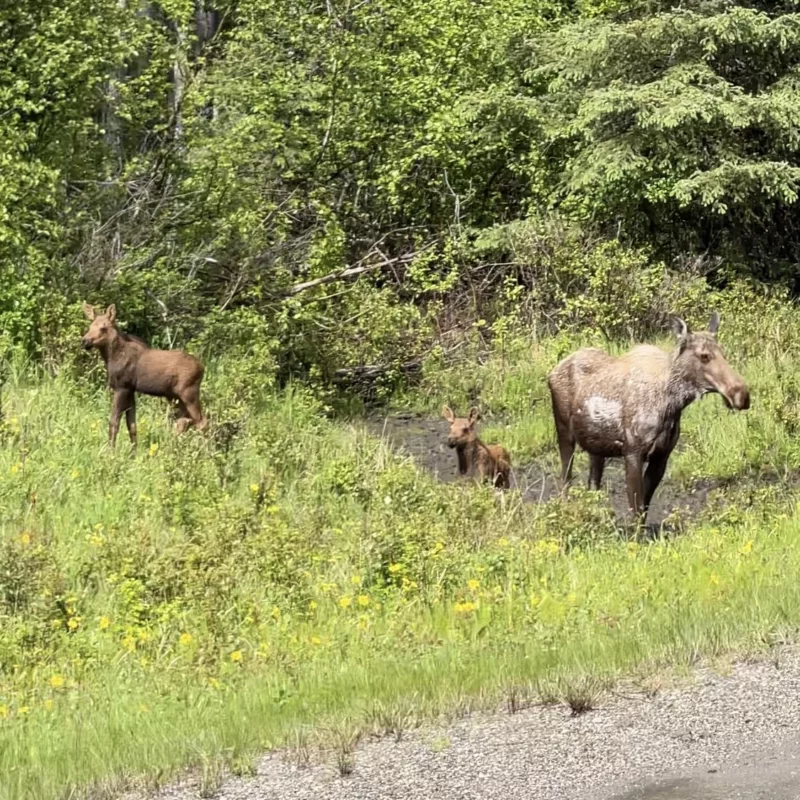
(716, 737)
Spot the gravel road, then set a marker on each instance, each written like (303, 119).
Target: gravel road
(720, 736)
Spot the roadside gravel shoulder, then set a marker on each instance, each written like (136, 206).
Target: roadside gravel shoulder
(716, 722)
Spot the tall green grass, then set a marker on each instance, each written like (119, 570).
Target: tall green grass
(215, 593)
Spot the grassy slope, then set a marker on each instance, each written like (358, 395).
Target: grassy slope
(216, 593)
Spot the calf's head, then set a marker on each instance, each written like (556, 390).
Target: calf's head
(102, 329)
(705, 367)
(462, 429)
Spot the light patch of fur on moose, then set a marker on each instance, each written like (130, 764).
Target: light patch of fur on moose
(604, 411)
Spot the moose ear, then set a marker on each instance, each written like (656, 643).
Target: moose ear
(713, 324)
(448, 414)
(681, 330)
(111, 313)
(474, 416)
(89, 311)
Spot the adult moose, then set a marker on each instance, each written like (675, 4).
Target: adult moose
(631, 406)
(134, 367)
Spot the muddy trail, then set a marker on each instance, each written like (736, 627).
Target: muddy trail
(424, 439)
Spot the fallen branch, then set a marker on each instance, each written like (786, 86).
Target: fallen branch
(351, 272)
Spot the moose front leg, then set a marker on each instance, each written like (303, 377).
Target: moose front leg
(597, 465)
(656, 467)
(634, 465)
(121, 403)
(130, 419)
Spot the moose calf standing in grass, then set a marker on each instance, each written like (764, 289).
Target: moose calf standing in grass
(134, 367)
(475, 458)
(631, 406)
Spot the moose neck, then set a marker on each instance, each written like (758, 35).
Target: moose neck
(113, 348)
(682, 388)
(467, 455)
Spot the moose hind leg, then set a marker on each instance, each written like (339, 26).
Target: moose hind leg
(189, 402)
(596, 466)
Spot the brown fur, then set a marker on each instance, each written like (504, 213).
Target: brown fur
(631, 406)
(134, 367)
(479, 460)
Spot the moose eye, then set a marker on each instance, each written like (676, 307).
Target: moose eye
(705, 357)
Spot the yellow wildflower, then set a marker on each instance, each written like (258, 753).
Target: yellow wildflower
(316, 640)
(236, 656)
(355, 580)
(254, 487)
(24, 539)
(3, 711)
(473, 585)
(312, 605)
(103, 623)
(185, 639)
(75, 474)
(502, 541)
(464, 608)
(276, 612)
(714, 579)
(395, 568)
(57, 681)
(23, 710)
(345, 601)
(74, 623)
(14, 469)
(273, 509)
(129, 643)
(153, 448)
(48, 704)
(746, 547)
(363, 600)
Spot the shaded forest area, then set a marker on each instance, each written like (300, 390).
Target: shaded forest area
(325, 188)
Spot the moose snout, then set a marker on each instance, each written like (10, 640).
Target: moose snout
(738, 399)
(86, 343)
(451, 442)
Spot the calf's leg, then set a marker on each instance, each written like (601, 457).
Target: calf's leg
(130, 419)
(121, 402)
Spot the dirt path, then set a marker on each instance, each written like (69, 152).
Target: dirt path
(718, 738)
(424, 439)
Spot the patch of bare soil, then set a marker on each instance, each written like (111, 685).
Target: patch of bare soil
(425, 440)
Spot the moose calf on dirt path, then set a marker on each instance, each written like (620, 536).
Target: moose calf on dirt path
(134, 367)
(631, 406)
(475, 458)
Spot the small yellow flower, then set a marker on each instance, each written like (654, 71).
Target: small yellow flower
(23, 710)
(103, 623)
(276, 612)
(57, 681)
(24, 539)
(74, 623)
(395, 568)
(185, 639)
(144, 708)
(236, 656)
(254, 487)
(473, 585)
(502, 541)
(75, 474)
(437, 548)
(312, 605)
(746, 547)
(3, 711)
(363, 600)
(48, 704)
(14, 469)
(316, 640)
(345, 601)
(464, 608)
(355, 580)
(153, 448)
(214, 683)
(129, 643)
(714, 579)
(273, 509)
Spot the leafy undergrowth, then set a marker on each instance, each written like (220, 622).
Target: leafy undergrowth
(214, 593)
